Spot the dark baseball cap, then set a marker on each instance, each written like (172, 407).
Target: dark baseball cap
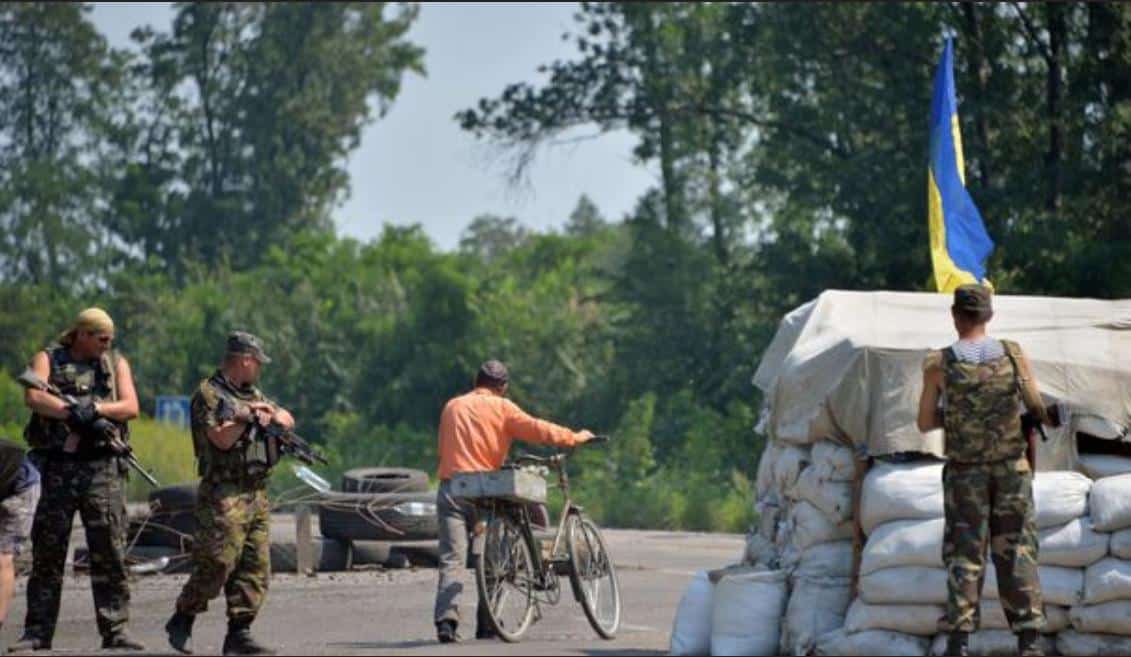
(244, 343)
(974, 299)
(494, 371)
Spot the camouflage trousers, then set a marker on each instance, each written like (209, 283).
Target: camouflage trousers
(96, 490)
(231, 550)
(991, 503)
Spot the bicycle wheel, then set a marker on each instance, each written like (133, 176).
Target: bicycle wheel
(593, 576)
(504, 575)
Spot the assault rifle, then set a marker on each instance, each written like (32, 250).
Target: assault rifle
(288, 441)
(107, 431)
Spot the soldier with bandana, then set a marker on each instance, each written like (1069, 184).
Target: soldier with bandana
(988, 479)
(79, 473)
(231, 550)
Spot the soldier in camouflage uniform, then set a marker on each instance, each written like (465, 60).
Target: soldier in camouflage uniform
(231, 548)
(988, 478)
(79, 473)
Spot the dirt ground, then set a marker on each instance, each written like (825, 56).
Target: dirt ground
(389, 612)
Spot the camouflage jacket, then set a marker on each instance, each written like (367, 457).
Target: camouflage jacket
(982, 418)
(215, 399)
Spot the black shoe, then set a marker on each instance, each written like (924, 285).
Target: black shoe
(958, 644)
(446, 632)
(179, 629)
(485, 632)
(240, 642)
(1029, 644)
(120, 640)
(30, 642)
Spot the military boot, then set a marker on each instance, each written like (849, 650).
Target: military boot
(447, 631)
(1029, 644)
(30, 642)
(958, 644)
(179, 629)
(240, 642)
(121, 640)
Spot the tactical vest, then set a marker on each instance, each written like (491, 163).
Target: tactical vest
(84, 379)
(982, 418)
(248, 461)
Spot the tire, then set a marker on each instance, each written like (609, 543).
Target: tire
(329, 556)
(505, 556)
(371, 553)
(593, 576)
(179, 562)
(369, 517)
(384, 480)
(172, 523)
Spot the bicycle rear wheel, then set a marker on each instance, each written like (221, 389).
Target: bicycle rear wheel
(593, 576)
(504, 575)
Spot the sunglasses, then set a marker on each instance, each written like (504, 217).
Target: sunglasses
(101, 337)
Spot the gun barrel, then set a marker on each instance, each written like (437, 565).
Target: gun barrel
(133, 463)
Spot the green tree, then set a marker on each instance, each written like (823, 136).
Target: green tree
(585, 220)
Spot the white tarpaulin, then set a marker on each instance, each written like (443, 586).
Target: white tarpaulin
(849, 364)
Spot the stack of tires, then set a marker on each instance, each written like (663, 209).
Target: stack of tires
(386, 515)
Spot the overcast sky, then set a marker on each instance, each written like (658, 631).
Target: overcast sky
(416, 166)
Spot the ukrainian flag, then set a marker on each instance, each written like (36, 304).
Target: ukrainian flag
(959, 242)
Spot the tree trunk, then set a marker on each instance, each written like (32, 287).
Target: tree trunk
(981, 76)
(1058, 32)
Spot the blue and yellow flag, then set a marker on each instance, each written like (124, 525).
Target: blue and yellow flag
(959, 242)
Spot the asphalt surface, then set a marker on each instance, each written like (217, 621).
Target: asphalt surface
(390, 612)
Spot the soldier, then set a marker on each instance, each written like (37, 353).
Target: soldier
(988, 478)
(19, 494)
(79, 473)
(231, 548)
(476, 430)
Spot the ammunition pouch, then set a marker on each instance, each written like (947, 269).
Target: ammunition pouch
(261, 453)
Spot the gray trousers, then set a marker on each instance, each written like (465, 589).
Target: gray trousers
(456, 520)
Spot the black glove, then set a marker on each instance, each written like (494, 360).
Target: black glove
(82, 413)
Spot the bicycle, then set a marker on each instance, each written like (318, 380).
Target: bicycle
(512, 571)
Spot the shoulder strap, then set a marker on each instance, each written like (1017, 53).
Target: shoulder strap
(110, 363)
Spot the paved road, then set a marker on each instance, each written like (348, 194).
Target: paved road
(390, 612)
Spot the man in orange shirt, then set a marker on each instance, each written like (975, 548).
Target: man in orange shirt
(476, 431)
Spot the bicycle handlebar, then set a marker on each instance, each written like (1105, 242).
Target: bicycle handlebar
(556, 459)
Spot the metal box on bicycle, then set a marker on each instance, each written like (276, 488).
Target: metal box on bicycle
(515, 485)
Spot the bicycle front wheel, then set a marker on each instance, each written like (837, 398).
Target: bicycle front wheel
(504, 575)
(593, 576)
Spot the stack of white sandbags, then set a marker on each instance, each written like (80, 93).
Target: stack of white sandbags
(806, 507)
(903, 584)
(1101, 623)
(732, 611)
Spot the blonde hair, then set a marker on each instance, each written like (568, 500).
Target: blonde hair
(92, 319)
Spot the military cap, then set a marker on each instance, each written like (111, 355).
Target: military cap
(244, 343)
(974, 299)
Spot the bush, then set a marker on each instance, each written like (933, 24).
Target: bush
(165, 450)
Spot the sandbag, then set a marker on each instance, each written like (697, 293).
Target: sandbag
(746, 612)
(759, 550)
(816, 607)
(1120, 546)
(1077, 644)
(691, 629)
(1100, 466)
(1108, 618)
(833, 462)
(833, 498)
(1073, 545)
(992, 643)
(911, 585)
(1059, 586)
(769, 516)
(873, 642)
(1060, 497)
(807, 526)
(904, 543)
(832, 559)
(1111, 503)
(764, 480)
(920, 620)
(1107, 580)
(901, 491)
(791, 460)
